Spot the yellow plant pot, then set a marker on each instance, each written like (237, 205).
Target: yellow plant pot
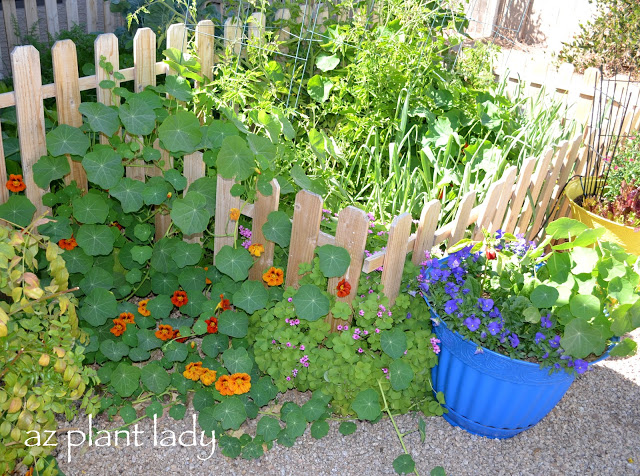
(625, 236)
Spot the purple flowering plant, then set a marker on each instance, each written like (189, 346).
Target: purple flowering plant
(559, 308)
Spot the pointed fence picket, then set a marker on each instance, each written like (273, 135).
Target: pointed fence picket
(518, 201)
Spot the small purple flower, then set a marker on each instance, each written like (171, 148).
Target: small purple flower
(288, 378)
(539, 337)
(357, 331)
(273, 341)
(290, 299)
(408, 315)
(472, 323)
(485, 304)
(301, 347)
(546, 355)
(581, 366)
(451, 289)
(514, 340)
(451, 306)
(483, 335)
(361, 312)
(555, 342)
(345, 327)
(288, 344)
(495, 313)
(377, 331)
(466, 291)
(339, 327)
(384, 370)
(295, 372)
(494, 327)
(545, 321)
(360, 351)
(355, 336)
(365, 332)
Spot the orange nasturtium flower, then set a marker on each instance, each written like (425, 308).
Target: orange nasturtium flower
(15, 183)
(226, 385)
(207, 280)
(234, 214)
(68, 244)
(179, 298)
(256, 250)
(273, 277)
(212, 325)
(30, 472)
(176, 334)
(164, 332)
(119, 326)
(142, 308)
(194, 370)
(127, 317)
(208, 377)
(224, 304)
(242, 383)
(344, 288)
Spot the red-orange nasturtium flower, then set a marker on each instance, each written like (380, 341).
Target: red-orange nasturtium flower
(273, 277)
(194, 370)
(234, 214)
(68, 244)
(15, 183)
(164, 332)
(142, 308)
(256, 250)
(212, 325)
(242, 383)
(226, 385)
(179, 298)
(119, 326)
(176, 335)
(208, 377)
(224, 304)
(127, 317)
(207, 280)
(344, 288)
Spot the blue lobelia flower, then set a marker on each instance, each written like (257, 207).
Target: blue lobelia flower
(451, 306)
(495, 313)
(555, 342)
(485, 304)
(451, 289)
(494, 327)
(499, 234)
(466, 291)
(546, 355)
(472, 323)
(539, 337)
(581, 366)
(515, 341)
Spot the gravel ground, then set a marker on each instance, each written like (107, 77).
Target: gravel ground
(594, 430)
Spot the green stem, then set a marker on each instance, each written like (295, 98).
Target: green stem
(139, 285)
(43, 298)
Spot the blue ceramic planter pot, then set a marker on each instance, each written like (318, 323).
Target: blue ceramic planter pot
(489, 394)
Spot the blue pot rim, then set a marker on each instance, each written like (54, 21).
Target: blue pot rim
(438, 321)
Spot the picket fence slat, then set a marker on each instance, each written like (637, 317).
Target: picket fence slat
(106, 46)
(307, 213)
(264, 205)
(25, 62)
(518, 195)
(31, 13)
(72, 13)
(232, 36)
(205, 47)
(585, 99)
(486, 215)
(4, 192)
(193, 169)
(426, 230)
(533, 191)
(509, 178)
(351, 234)
(461, 221)
(177, 37)
(92, 15)
(223, 227)
(53, 23)
(395, 256)
(10, 15)
(162, 219)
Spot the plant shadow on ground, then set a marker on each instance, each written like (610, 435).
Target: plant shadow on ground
(595, 429)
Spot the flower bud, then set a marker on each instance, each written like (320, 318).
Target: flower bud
(491, 253)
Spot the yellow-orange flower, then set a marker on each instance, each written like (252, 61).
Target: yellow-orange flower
(194, 370)
(208, 377)
(68, 244)
(119, 326)
(256, 249)
(226, 385)
(273, 277)
(224, 304)
(127, 317)
(207, 280)
(179, 298)
(30, 472)
(242, 383)
(142, 308)
(15, 183)
(164, 332)
(234, 214)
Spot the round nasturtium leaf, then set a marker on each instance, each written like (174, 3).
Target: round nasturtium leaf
(99, 306)
(327, 62)
(176, 179)
(544, 297)
(393, 343)
(319, 429)
(101, 118)
(278, 228)
(268, 428)
(581, 339)
(180, 132)
(164, 283)
(138, 118)
(296, 423)
(129, 192)
(192, 279)
(213, 344)
(230, 413)
(234, 262)
(103, 166)
(77, 261)
(178, 87)
(160, 306)
(125, 379)
(233, 324)
(56, 230)
(334, 260)
(140, 254)
(138, 355)
(155, 191)
(310, 303)
(564, 228)
(347, 428)
(18, 209)
(90, 209)
(367, 404)
(95, 239)
(96, 278)
(143, 231)
(161, 259)
(190, 214)
(237, 361)
(48, 169)
(218, 131)
(400, 374)
(404, 464)
(177, 412)
(114, 350)
(176, 351)
(263, 391)
(206, 186)
(585, 306)
(251, 297)
(187, 254)
(235, 159)
(66, 139)
(155, 377)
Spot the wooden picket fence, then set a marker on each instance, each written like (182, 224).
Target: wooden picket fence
(519, 202)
